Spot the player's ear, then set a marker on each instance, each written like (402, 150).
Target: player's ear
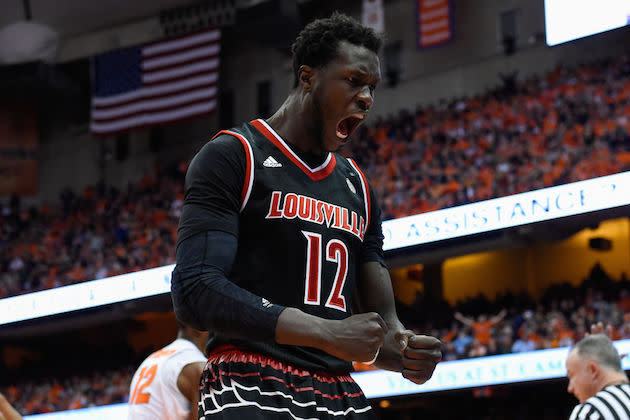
(306, 76)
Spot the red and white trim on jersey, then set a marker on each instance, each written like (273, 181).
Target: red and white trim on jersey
(366, 193)
(316, 174)
(249, 167)
(238, 383)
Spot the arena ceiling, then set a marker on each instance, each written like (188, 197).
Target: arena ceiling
(75, 17)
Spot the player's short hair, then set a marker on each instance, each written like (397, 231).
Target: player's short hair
(599, 348)
(317, 43)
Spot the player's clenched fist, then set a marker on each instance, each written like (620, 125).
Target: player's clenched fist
(420, 355)
(357, 338)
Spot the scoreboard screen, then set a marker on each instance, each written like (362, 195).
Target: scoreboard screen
(566, 20)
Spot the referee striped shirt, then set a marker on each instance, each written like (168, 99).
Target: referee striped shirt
(611, 403)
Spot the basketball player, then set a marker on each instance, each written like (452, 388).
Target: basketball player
(597, 380)
(166, 384)
(280, 248)
(7, 412)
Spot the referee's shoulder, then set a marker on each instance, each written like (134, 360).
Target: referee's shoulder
(611, 403)
(588, 411)
(575, 412)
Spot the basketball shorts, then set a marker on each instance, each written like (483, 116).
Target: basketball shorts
(240, 384)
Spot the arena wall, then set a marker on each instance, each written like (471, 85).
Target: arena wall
(468, 65)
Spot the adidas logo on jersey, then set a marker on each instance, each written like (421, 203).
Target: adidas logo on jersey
(265, 302)
(270, 162)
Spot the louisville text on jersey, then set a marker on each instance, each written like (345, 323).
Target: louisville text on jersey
(316, 211)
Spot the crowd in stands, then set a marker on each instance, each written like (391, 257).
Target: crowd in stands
(47, 395)
(98, 233)
(567, 126)
(558, 319)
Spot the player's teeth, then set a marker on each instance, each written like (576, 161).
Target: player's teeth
(341, 135)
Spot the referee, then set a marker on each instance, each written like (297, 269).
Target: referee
(597, 380)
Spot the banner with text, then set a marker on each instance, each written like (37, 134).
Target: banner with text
(482, 371)
(514, 210)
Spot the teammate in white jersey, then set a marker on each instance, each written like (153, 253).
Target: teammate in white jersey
(166, 384)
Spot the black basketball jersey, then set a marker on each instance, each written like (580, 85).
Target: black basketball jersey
(301, 235)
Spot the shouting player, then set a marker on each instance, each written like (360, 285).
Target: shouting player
(280, 248)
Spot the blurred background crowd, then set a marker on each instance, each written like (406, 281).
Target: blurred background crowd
(570, 125)
(474, 327)
(535, 129)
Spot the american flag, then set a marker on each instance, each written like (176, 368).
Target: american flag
(157, 83)
(435, 24)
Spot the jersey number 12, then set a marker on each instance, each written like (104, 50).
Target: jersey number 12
(337, 252)
(147, 375)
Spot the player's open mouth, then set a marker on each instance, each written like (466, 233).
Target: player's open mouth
(346, 126)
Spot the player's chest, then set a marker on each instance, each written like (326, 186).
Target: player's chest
(283, 193)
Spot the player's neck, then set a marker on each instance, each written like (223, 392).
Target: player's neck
(294, 123)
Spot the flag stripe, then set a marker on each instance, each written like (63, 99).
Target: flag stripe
(165, 61)
(432, 3)
(429, 27)
(433, 14)
(181, 78)
(155, 104)
(97, 110)
(153, 118)
(169, 80)
(435, 38)
(180, 71)
(164, 47)
(156, 91)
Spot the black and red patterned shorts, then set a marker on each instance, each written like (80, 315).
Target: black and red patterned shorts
(241, 384)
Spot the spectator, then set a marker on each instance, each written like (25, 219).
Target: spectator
(524, 343)
(482, 327)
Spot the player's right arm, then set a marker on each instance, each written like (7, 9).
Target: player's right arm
(203, 296)
(206, 299)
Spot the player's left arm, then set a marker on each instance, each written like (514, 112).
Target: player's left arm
(415, 356)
